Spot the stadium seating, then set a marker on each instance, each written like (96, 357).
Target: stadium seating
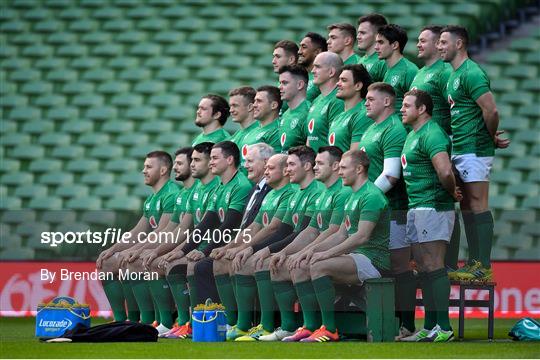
(88, 87)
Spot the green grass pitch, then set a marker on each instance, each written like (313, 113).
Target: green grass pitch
(17, 341)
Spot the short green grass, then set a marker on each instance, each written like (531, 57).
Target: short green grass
(18, 341)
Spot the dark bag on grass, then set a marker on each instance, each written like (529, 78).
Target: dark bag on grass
(526, 329)
(120, 331)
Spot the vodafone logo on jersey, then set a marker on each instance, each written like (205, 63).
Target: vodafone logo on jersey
(198, 214)
(265, 219)
(244, 150)
(295, 219)
(332, 139)
(347, 223)
(221, 213)
(451, 101)
(311, 125)
(283, 139)
(152, 221)
(319, 220)
(403, 161)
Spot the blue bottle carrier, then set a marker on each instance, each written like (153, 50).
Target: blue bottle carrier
(60, 314)
(209, 323)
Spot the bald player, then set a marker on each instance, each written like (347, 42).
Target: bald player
(326, 107)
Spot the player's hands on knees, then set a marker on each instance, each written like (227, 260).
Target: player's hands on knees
(148, 257)
(218, 253)
(319, 256)
(230, 254)
(260, 256)
(277, 261)
(170, 257)
(241, 258)
(500, 143)
(195, 255)
(102, 257)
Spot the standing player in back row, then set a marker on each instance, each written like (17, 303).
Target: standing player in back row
(241, 107)
(326, 107)
(285, 54)
(348, 127)
(432, 78)
(400, 72)
(474, 121)
(212, 114)
(292, 87)
(311, 45)
(341, 39)
(368, 26)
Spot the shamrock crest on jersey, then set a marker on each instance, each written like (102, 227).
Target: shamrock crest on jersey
(394, 80)
(429, 76)
(455, 84)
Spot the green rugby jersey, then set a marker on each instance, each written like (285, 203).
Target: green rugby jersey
(321, 114)
(370, 204)
(423, 185)
(274, 204)
(330, 206)
(213, 137)
(469, 132)
(159, 203)
(239, 138)
(382, 141)
(231, 196)
(302, 203)
(182, 202)
(349, 126)
(352, 60)
(201, 196)
(268, 134)
(292, 127)
(400, 76)
(375, 67)
(312, 90)
(433, 79)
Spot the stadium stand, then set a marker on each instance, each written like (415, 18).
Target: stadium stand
(87, 87)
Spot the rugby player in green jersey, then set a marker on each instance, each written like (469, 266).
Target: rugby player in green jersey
(212, 113)
(292, 87)
(400, 72)
(274, 203)
(326, 107)
(287, 265)
(157, 210)
(347, 128)
(285, 54)
(433, 78)
(358, 250)
(266, 110)
(311, 45)
(432, 190)
(241, 107)
(474, 122)
(170, 260)
(297, 217)
(383, 142)
(341, 38)
(368, 26)
(164, 290)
